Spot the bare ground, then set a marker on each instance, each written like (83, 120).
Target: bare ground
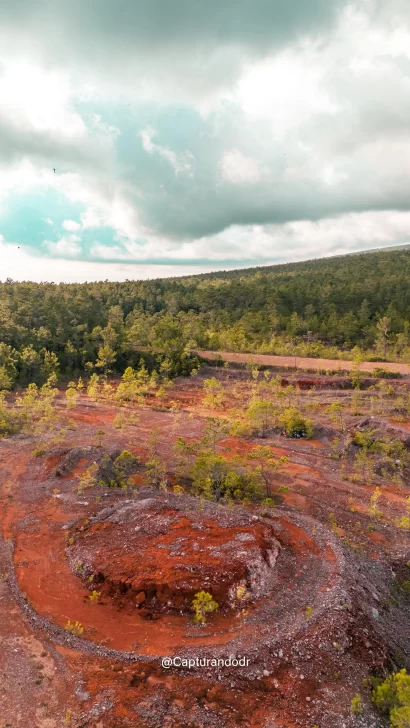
(325, 617)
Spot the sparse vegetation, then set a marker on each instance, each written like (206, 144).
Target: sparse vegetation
(219, 437)
(94, 596)
(356, 704)
(116, 472)
(75, 628)
(203, 604)
(392, 697)
(294, 424)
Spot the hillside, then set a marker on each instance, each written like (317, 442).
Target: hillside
(321, 307)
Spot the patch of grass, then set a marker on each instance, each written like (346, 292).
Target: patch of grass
(356, 704)
(75, 628)
(38, 452)
(94, 596)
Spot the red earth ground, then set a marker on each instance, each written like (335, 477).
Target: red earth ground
(319, 610)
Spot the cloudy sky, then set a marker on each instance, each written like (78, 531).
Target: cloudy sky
(141, 138)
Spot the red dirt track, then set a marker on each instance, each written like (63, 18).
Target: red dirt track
(298, 362)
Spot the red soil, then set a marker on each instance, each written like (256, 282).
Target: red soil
(306, 620)
(159, 557)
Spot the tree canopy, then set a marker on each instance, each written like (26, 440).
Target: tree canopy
(316, 308)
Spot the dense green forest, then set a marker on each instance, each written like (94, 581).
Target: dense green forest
(325, 307)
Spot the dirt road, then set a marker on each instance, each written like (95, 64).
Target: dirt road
(298, 362)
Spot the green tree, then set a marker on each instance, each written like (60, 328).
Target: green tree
(214, 393)
(268, 465)
(294, 424)
(383, 330)
(129, 390)
(106, 358)
(392, 697)
(71, 395)
(215, 430)
(262, 415)
(155, 465)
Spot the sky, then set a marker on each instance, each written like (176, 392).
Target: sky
(149, 138)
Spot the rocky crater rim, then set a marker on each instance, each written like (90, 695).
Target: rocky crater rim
(158, 555)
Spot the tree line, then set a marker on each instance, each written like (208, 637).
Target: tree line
(327, 307)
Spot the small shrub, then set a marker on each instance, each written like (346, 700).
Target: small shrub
(94, 596)
(294, 424)
(242, 593)
(356, 704)
(99, 435)
(373, 511)
(116, 473)
(392, 697)
(75, 628)
(366, 440)
(38, 452)
(381, 373)
(403, 522)
(203, 603)
(240, 429)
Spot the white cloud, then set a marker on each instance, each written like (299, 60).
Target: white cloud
(71, 225)
(116, 213)
(238, 169)
(19, 265)
(287, 90)
(39, 99)
(302, 135)
(22, 177)
(91, 218)
(179, 163)
(67, 246)
(305, 239)
(271, 243)
(107, 133)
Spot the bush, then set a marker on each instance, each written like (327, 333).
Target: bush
(356, 704)
(38, 452)
(215, 477)
(294, 424)
(262, 415)
(381, 373)
(366, 440)
(115, 473)
(392, 697)
(75, 628)
(203, 603)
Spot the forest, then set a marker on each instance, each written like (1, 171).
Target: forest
(356, 305)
